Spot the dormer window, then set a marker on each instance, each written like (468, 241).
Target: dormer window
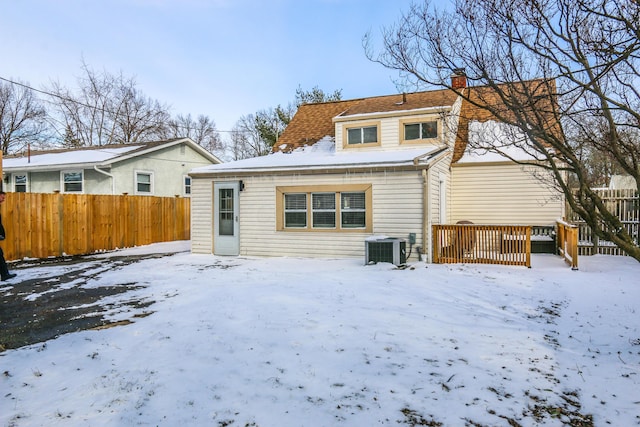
(421, 130)
(363, 134)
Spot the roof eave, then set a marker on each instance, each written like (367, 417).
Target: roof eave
(418, 162)
(53, 168)
(397, 113)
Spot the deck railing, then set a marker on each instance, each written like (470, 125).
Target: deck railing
(482, 244)
(567, 242)
(623, 203)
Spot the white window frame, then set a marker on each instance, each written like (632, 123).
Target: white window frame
(186, 188)
(336, 190)
(136, 173)
(322, 210)
(297, 210)
(63, 182)
(345, 209)
(14, 177)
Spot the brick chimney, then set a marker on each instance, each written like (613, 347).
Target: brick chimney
(459, 79)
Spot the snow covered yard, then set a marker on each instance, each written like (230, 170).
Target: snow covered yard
(301, 342)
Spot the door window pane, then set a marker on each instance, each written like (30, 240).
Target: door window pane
(226, 212)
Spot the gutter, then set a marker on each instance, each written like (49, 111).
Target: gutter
(113, 179)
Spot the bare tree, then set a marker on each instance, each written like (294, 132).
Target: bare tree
(22, 117)
(246, 140)
(136, 118)
(107, 109)
(202, 131)
(536, 63)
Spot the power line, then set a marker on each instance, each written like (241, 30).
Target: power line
(102, 109)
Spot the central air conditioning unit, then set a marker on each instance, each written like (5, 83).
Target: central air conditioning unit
(386, 249)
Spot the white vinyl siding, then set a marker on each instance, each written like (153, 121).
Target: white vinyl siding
(392, 129)
(397, 211)
(201, 216)
(502, 194)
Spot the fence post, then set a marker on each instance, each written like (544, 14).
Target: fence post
(528, 246)
(59, 201)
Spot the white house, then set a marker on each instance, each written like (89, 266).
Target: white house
(346, 171)
(157, 168)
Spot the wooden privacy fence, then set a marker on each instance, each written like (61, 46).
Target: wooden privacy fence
(45, 225)
(482, 244)
(567, 241)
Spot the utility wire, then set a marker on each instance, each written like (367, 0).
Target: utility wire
(102, 109)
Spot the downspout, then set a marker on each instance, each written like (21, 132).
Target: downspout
(113, 180)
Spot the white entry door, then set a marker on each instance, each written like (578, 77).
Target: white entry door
(226, 226)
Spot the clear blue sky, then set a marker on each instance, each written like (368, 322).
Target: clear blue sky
(221, 58)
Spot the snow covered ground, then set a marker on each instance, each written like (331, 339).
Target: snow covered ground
(301, 342)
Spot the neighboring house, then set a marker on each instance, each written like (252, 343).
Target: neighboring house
(156, 169)
(622, 182)
(345, 171)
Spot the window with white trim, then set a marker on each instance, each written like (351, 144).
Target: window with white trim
(323, 207)
(20, 183)
(72, 181)
(187, 185)
(144, 182)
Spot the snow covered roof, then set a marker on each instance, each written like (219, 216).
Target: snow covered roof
(322, 155)
(481, 102)
(63, 158)
(486, 137)
(87, 157)
(622, 182)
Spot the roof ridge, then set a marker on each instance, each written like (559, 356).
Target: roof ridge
(36, 152)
